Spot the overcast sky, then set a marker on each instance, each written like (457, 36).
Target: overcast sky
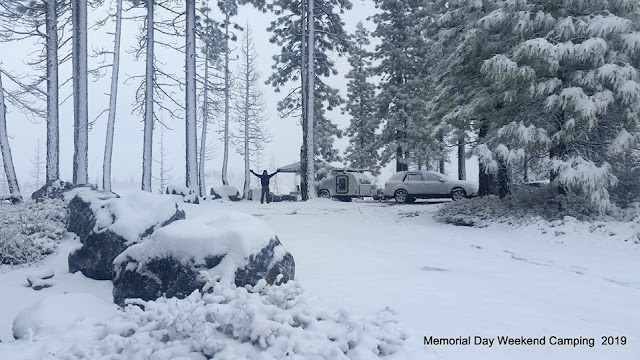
(127, 160)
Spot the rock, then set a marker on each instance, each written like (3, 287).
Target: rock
(37, 279)
(213, 195)
(227, 192)
(53, 189)
(233, 247)
(82, 211)
(189, 196)
(107, 224)
(40, 284)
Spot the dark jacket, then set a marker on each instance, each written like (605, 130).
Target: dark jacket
(264, 179)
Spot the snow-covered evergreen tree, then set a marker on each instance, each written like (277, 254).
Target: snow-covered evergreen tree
(406, 86)
(568, 84)
(361, 105)
(290, 32)
(463, 102)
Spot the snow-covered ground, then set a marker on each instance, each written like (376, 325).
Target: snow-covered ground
(442, 280)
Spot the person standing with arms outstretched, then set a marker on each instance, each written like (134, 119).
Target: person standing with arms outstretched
(264, 182)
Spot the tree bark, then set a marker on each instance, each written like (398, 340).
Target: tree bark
(485, 179)
(311, 171)
(205, 120)
(113, 97)
(503, 179)
(80, 92)
(462, 159)
(147, 151)
(247, 174)
(9, 169)
(303, 90)
(442, 156)
(191, 136)
(225, 159)
(53, 117)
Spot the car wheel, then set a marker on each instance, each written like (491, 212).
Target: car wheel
(324, 194)
(458, 194)
(401, 196)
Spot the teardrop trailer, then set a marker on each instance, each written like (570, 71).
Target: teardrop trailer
(342, 184)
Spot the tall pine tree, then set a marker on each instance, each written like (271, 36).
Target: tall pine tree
(360, 104)
(406, 86)
(570, 85)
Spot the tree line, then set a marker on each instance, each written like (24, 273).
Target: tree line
(534, 89)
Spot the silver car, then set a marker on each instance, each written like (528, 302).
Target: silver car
(407, 186)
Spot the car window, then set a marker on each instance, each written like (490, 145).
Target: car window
(413, 177)
(431, 177)
(397, 177)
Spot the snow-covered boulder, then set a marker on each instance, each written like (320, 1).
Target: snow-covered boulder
(57, 314)
(233, 247)
(53, 189)
(107, 224)
(186, 195)
(226, 192)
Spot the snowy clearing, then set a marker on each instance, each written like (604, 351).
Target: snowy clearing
(442, 280)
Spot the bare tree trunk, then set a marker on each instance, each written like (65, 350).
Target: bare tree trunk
(53, 119)
(80, 92)
(9, 169)
(400, 161)
(303, 89)
(503, 178)
(147, 150)
(205, 120)
(526, 168)
(311, 170)
(247, 174)
(113, 97)
(485, 179)
(191, 137)
(225, 159)
(442, 156)
(163, 171)
(462, 159)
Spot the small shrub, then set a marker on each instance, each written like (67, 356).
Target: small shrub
(525, 204)
(30, 231)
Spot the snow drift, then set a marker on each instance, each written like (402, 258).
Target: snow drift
(225, 322)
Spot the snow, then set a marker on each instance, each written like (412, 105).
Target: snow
(566, 279)
(232, 234)
(59, 313)
(226, 191)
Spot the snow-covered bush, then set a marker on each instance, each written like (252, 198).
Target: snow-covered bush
(226, 322)
(29, 231)
(526, 204)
